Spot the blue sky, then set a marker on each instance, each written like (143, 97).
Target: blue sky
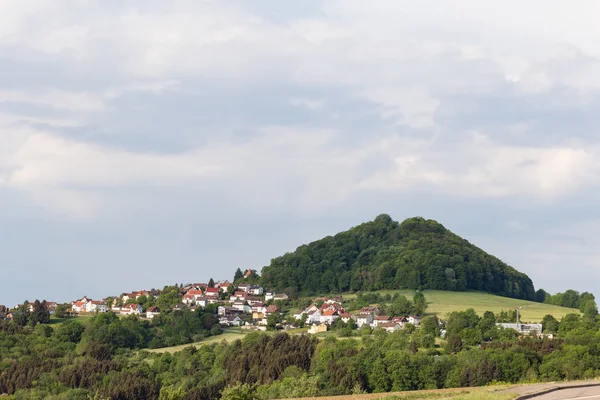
(149, 142)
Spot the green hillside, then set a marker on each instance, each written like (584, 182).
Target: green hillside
(442, 303)
(385, 254)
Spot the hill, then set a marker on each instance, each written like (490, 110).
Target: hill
(385, 254)
(442, 303)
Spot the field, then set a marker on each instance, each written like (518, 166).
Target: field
(228, 335)
(442, 303)
(481, 393)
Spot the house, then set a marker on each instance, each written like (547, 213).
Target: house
(238, 295)
(372, 310)
(413, 319)
(256, 290)
(259, 308)
(230, 320)
(347, 317)
(364, 319)
(96, 306)
(51, 307)
(390, 326)
(281, 297)
(270, 310)
(337, 300)
(328, 317)
(269, 295)
(313, 317)
(253, 300)
(228, 311)
(244, 287)
(179, 307)
(131, 309)
(400, 320)
(380, 319)
(317, 329)
(248, 273)
(242, 306)
(152, 312)
(212, 293)
(332, 307)
(78, 306)
(258, 315)
(223, 285)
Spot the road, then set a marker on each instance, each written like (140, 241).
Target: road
(582, 393)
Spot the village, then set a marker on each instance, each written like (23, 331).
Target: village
(245, 305)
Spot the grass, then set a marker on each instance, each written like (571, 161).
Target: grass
(480, 393)
(228, 336)
(56, 322)
(442, 303)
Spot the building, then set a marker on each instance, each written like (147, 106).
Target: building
(380, 319)
(152, 312)
(131, 309)
(96, 306)
(317, 329)
(256, 290)
(269, 295)
(415, 320)
(242, 306)
(328, 317)
(364, 319)
(390, 326)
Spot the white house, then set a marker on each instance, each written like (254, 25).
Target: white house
(230, 320)
(313, 317)
(380, 319)
(259, 308)
(269, 295)
(244, 287)
(256, 290)
(242, 306)
(390, 326)
(96, 306)
(413, 319)
(364, 319)
(130, 309)
(152, 312)
(347, 317)
(327, 317)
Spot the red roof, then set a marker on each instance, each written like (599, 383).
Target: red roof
(272, 309)
(238, 294)
(194, 292)
(382, 318)
(329, 313)
(212, 290)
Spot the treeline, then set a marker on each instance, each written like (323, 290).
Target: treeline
(384, 254)
(101, 359)
(585, 302)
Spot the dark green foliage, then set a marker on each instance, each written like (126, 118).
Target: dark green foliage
(238, 276)
(80, 361)
(383, 254)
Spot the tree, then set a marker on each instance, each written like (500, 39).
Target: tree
(61, 310)
(239, 275)
(211, 283)
(420, 303)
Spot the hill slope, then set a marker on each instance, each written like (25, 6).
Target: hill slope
(384, 254)
(442, 303)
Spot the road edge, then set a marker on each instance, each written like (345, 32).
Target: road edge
(554, 389)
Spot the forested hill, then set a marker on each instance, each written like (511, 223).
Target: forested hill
(385, 254)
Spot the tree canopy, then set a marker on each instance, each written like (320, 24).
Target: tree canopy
(385, 254)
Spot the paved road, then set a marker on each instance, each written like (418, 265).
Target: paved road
(583, 393)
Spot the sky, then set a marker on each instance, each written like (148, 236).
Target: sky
(146, 143)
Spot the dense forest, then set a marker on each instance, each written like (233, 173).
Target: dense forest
(103, 358)
(384, 254)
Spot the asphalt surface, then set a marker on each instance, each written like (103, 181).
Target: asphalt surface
(583, 393)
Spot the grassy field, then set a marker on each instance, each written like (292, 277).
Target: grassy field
(56, 322)
(442, 303)
(482, 393)
(229, 336)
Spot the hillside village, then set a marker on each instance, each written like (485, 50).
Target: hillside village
(242, 304)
